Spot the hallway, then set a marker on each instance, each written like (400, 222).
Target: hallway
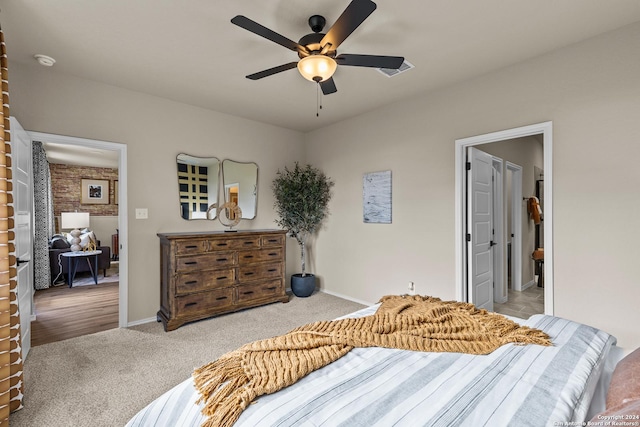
(522, 304)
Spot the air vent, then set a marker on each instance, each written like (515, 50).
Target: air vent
(390, 72)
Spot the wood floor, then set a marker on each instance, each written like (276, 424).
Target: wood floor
(63, 312)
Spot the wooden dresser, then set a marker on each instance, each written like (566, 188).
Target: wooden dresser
(203, 274)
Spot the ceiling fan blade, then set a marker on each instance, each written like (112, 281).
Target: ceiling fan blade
(375, 61)
(351, 18)
(254, 27)
(328, 86)
(272, 71)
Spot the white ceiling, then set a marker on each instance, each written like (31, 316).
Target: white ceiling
(188, 51)
(68, 154)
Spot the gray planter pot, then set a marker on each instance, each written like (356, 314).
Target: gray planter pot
(303, 286)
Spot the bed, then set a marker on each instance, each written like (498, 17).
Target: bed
(519, 385)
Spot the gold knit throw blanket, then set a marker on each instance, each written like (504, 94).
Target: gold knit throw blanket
(229, 384)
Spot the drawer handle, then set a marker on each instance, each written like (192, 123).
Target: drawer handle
(248, 243)
(221, 278)
(272, 288)
(250, 273)
(191, 282)
(247, 293)
(271, 270)
(189, 304)
(191, 246)
(248, 256)
(273, 254)
(221, 298)
(221, 244)
(273, 240)
(222, 259)
(191, 262)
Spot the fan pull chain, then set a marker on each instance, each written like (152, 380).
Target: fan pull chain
(318, 101)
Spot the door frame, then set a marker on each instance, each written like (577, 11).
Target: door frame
(499, 233)
(544, 128)
(516, 212)
(123, 255)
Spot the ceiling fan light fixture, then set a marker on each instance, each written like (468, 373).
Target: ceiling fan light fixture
(317, 68)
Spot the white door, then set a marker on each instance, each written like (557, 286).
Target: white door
(480, 228)
(23, 213)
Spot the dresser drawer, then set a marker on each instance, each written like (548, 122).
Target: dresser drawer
(203, 280)
(208, 261)
(253, 272)
(186, 247)
(275, 240)
(252, 242)
(259, 290)
(261, 255)
(204, 301)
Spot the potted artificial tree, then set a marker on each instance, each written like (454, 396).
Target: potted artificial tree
(301, 201)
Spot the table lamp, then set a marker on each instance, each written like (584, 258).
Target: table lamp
(76, 221)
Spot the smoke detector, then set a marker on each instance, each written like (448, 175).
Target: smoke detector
(45, 60)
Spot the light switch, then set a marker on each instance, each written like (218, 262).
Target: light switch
(142, 213)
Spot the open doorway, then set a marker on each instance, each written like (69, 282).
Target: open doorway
(465, 290)
(97, 298)
(517, 290)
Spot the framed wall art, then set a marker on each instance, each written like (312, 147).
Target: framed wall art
(376, 197)
(95, 191)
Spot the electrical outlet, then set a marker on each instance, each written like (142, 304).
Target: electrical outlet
(142, 213)
(412, 288)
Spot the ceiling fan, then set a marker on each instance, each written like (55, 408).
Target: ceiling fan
(318, 51)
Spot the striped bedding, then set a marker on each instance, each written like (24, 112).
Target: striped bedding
(513, 386)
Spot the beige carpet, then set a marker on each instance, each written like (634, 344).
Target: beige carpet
(103, 379)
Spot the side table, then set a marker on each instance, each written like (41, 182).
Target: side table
(74, 257)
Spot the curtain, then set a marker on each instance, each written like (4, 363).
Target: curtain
(11, 384)
(43, 212)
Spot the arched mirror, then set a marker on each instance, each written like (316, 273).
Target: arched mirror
(198, 180)
(240, 182)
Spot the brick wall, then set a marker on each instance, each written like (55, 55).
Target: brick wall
(67, 191)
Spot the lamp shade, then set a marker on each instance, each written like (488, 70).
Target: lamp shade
(74, 220)
(317, 68)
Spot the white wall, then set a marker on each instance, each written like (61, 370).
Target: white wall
(591, 92)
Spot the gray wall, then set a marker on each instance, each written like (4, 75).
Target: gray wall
(155, 131)
(590, 91)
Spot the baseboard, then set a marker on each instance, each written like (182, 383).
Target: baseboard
(142, 321)
(528, 284)
(501, 300)
(348, 298)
